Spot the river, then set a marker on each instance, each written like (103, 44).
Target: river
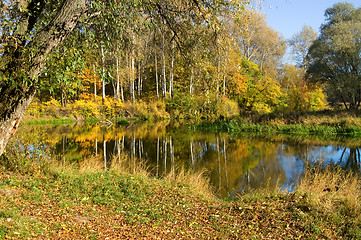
(234, 163)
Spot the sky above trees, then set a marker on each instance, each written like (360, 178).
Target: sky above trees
(289, 16)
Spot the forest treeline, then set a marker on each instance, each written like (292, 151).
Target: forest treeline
(194, 69)
(187, 58)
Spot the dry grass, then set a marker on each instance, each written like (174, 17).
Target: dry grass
(92, 164)
(198, 181)
(332, 190)
(124, 164)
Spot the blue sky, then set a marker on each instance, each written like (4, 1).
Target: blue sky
(288, 16)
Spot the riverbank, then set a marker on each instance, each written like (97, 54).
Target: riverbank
(318, 123)
(41, 198)
(78, 111)
(323, 124)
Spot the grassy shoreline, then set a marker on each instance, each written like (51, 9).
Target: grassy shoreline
(325, 124)
(289, 129)
(48, 200)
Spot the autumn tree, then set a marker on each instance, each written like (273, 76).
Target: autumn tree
(300, 43)
(33, 29)
(335, 56)
(260, 43)
(63, 67)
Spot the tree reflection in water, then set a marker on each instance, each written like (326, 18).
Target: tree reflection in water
(234, 164)
(350, 158)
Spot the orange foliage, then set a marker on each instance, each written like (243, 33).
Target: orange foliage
(89, 78)
(237, 81)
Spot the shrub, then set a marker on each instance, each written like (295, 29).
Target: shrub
(84, 108)
(184, 106)
(227, 108)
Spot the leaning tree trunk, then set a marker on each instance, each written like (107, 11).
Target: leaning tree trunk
(17, 92)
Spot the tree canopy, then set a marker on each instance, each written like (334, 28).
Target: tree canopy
(335, 57)
(195, 57)
(31, 29)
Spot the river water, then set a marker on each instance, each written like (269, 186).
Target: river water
(234, 163)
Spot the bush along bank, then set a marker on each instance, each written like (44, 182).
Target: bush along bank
(306, 125)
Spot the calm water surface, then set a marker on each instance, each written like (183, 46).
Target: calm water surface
(233, 163)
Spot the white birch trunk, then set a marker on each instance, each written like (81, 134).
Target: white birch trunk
(95, 87)
(103, 74)
(171, 74)
(164, 78)
(117, 94)
(139, 80)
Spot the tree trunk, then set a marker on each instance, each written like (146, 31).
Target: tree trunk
(95, 87)
(218, 74)
(15, 98)
(171, 74)
(156, 74)
(103, 74)
(164, 79)
(191, 81)
(117, 92)
(122, 91)
(132, 75)
(140, 85)
(224, 74)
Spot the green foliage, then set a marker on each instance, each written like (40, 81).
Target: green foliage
(184, 106)
(335, 55)
(62, 70)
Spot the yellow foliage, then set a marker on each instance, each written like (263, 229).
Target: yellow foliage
(112, 106)
(261, 107)
(52, 103)
(89, 78)
(237, 81)
(227, 108)
(265, 96)
(306, 98)
(84, 108)
(317, 99)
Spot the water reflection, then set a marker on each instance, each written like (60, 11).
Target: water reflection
(233, 164)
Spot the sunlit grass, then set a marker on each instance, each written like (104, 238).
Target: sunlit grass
(335, 194)
(196, 180)
(325, 204)
(332, 190)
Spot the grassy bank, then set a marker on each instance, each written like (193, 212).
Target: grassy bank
(88, 111)
(298, 129)
(221, 115)
(324, 124)
(44, 199)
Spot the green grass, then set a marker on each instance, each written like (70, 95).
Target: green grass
(53, 121)
(238, 126)
(323, 124)
(45, 199)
